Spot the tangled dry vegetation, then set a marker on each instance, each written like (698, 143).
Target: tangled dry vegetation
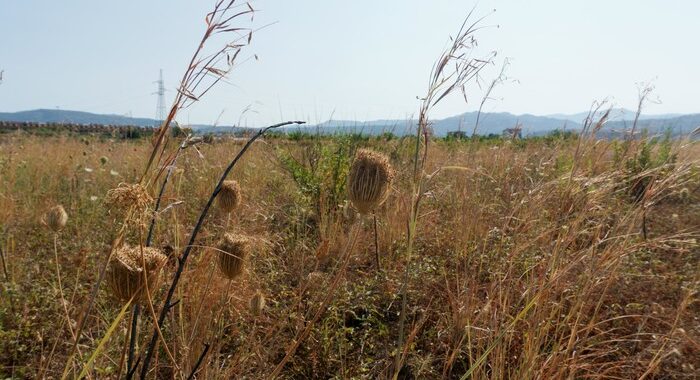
(529, 261)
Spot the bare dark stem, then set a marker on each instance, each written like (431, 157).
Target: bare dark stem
(182, 261)
(7, 278)
(4, 266)
(376, 244)
(131, 372)
(199, 361)
(132, 338)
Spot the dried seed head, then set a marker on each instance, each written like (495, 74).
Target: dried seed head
(229, 197)
(232, 251)
(257, 303)
(128, 195)
(369, 180)
(127, 276)
(56, 218)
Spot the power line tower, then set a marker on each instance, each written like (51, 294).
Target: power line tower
(160, 107)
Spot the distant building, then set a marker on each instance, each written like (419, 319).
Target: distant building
(513, 133)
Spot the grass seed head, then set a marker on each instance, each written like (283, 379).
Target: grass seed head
(127, 275)
(257, 303)
(232, 252)
(229, 197)
(369, 180)
(56, 218)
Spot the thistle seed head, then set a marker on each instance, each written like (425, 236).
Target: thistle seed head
(129, 272)
(229, 197)
(56, 218)
(369, 180)
(233, 251)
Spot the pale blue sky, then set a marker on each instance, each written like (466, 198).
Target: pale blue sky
(350, 59)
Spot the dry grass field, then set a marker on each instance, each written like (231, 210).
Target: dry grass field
(569, 256)
(564, 257)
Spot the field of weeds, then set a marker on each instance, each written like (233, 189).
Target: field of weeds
(562, 257)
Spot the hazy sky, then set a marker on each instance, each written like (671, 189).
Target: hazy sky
(347, 59)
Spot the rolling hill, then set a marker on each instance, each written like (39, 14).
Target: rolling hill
(75, 117)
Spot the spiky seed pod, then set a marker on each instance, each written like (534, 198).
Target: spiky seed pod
(369, 180)
(232, 251)
(125, 275)
(229, 197)
(56, 218)
(257, 303)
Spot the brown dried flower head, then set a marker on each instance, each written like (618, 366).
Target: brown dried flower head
(229, 197)
(129, 272)
(369, 180)
(233, 251)
(56, 218)
(128, 195)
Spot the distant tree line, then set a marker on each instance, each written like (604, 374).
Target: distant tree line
(116, 131)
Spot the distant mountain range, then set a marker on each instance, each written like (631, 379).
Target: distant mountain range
(615, 114)
(532, 125)
(489, 123)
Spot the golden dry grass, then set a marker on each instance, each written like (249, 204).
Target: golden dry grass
(529, 260)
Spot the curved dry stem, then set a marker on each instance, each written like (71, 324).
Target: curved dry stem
(182, 261)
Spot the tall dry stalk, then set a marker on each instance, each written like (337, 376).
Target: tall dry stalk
(206, 69)
(488, 94)
(203, 72)
(453, 71)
